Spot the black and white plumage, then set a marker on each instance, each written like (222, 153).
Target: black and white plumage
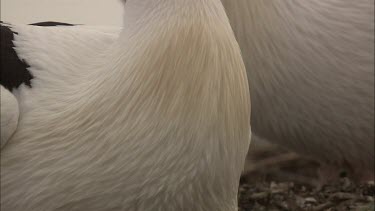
(153, 118)
(16, 73)
(13, 73)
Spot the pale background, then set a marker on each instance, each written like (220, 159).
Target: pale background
(91, 12)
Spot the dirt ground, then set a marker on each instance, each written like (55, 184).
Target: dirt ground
(292, 185)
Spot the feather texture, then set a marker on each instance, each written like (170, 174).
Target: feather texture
(310, 66)
(9, 115)
(157, 120)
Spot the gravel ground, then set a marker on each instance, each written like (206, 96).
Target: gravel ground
(340, 196)
(293, 185)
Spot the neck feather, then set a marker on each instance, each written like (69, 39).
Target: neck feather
(178, 75)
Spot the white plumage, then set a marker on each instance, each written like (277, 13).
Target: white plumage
(9, 115)
(310, 66)
(157, 119)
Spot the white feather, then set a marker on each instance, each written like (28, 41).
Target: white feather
(9, 115)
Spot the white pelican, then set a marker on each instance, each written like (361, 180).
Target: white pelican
(310, 66)
(156, 119)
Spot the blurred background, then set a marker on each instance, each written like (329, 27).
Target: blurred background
(91, 12)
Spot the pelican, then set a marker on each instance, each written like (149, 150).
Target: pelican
(156, 118)
(310, 66)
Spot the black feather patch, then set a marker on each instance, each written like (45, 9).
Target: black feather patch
(13, 70)
(51, 23)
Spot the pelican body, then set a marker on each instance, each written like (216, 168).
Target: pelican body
(156, 118)
(310, 66)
